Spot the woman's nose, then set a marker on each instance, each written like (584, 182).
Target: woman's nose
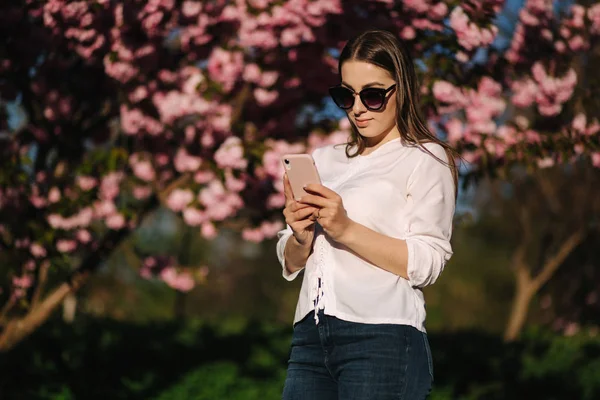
(358, 107)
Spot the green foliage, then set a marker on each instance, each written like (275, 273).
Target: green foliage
(245, 359)
(222, 380)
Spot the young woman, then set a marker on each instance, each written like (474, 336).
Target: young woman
(376, 232)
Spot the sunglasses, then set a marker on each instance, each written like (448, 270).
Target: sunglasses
(372, 98)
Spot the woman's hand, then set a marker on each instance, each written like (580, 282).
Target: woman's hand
(331, 214)
(300, 217)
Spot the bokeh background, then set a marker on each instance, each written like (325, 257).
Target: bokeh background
(141, 192)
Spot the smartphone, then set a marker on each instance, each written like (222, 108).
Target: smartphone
(301, 170)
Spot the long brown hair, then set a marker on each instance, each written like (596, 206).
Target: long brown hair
(387, 51)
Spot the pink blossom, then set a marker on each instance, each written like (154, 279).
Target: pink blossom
(265, 97)
(546, 162)
(417, 5)
(469, 35)
(179, 199)
(138, 94)
(190, 133)
(66, 246)
(225, 67)
(194, 217)
(408, 33)
(577, 43)
(29, 266)
(270, 228)
(231, 154)
(259, 4)
(253, 235)
(121, 71)
(109, 186)
(252, 73)
(54, 195)
(104, 208)
(191, 8)
(454, 128)
(268, 78)
(86, 182)
(579, 122)
(448, 93)
(276, 200)
(37, 250)
(142, 192)
(181, 281)
(439, 11)
(115, 221)
(462, 56)
(142, 168)
(571, 329)
(173, 105)
(596, 159)
(232, 183)
(191, 84)
(208, 230)
(83, 236)
(524, 93)
(22, 243)
(204, 176)
(185, 162)
(23, 282)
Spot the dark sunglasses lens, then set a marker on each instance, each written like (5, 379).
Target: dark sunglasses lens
(343, 98)
(372, 98)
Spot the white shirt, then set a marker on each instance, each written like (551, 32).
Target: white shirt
(397, 190)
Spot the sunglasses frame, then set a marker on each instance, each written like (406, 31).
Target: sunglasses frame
(383, 91)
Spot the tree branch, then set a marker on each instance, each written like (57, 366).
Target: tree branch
(554, 262)
(41, 283)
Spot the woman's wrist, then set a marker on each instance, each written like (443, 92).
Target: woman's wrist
(296, 254)
(350, 234)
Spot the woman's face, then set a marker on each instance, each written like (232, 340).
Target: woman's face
(372, 125)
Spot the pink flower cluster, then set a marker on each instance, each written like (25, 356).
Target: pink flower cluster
(480, 106)
(142, 167)
(163, 267)
(288, 23)
(183, 161)
(534, 15)
(548, 92)
(133, 122)
(79, 19)
(231, 154)
(175, 104)
(225, 67)
(219, 203)
(580, 125)
(470, 35)
(266, 230)
(593, 14)
(20, 285)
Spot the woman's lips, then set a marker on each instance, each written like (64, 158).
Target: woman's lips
(362, 123)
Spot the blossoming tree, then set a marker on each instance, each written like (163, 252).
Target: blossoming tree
(118, 108)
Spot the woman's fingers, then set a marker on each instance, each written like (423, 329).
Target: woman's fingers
(299, 215)
(301, 225)
(287, 188)
(295, 206)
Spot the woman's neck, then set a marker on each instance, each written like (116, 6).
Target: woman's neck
(371, 144)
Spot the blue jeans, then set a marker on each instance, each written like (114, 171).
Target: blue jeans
(344, 360)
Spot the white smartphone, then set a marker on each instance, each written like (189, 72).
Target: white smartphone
(301, 170)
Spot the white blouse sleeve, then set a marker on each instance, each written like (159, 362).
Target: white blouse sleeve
(429, 221)
(283, 236)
